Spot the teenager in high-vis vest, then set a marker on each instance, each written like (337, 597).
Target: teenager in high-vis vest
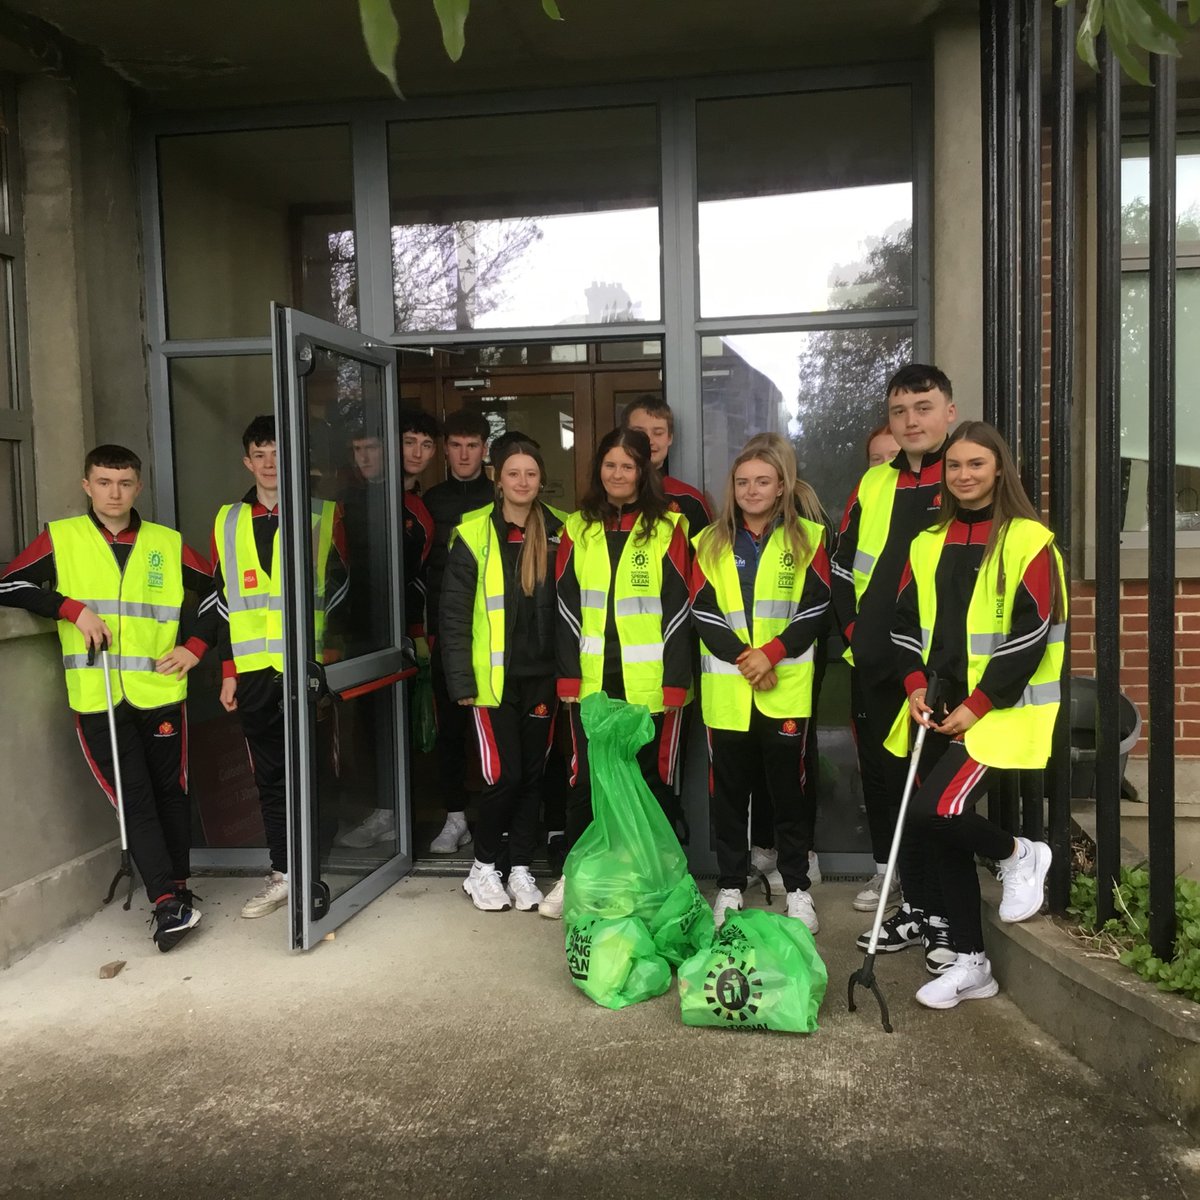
(248, 581)
(892, 503)
(496, 628)
(623, 618)
(112, 580)
(760, 591)
(982, 604)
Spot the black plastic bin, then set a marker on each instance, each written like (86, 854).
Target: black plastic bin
(1083, 735)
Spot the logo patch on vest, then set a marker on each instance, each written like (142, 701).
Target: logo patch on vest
(639, 576)
(165, 729)
(155, 560)
(249, 578)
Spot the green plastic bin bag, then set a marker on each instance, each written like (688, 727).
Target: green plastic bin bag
(684, 923)
(424, 721)
(613, 960)
(762, 971)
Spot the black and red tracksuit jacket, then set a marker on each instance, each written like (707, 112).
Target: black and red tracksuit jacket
(683, 498)
(1013, 663)
(31, 583)
(418, 542)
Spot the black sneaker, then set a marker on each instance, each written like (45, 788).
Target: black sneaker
(901, 930)
(186, 896)
(172, 919)
(939, 952)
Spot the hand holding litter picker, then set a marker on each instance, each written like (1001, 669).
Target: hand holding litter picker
(865, 975)
(126, 870)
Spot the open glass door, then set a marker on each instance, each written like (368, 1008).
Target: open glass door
(344, 654)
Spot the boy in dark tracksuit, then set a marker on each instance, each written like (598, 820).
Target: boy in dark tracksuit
(151, 736)
(891, 505)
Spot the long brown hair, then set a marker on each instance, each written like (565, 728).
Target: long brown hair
(533, 559)
(776, 451)
(650, 499)
(1009, 501)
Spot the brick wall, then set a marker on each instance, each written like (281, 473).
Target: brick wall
(1134, 619)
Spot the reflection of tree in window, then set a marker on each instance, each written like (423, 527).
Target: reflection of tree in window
(447, 276)
(843, 372)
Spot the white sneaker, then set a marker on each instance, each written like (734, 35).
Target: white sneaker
(454, 835)
(814, 869)
(523, 889)
(274, 895)
(727, 898)
(552, 905)
(485, 889)
(1023, 878)
(969, 979)
(868, 899)
(800, 906)
(766, 863)
(380, 826)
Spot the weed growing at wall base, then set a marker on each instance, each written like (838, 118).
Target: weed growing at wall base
(1127, 933)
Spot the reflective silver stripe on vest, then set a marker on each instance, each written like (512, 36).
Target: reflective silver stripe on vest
(1040, 693)
(591, 645)
(711, 665)
(1058, 633)
(864, 563)
(648, 652)
(591, 598)
(497, 659)
(493, 603)
(926, 638)
(986, 643)
(799, 660)
(122, 662)
(632, 606)
(257, 646)
(127, 608)
(736, 618)
(774, 608)
(236, 600)
(258, 600)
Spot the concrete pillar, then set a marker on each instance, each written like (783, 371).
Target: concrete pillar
(958, 209)
(63, 425)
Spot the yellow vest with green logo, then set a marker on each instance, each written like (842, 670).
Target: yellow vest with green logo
(140, 604)
(876, 496)
(725, 696)
(478, 534)
(254, 598)
(1010, 738)
(637, 606)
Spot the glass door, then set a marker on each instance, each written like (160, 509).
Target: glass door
(345, 657)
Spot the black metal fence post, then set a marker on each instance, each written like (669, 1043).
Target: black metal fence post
(1161, 503)
(1007, 199)
(1062, 382)
(989, 77)
(1108, 477)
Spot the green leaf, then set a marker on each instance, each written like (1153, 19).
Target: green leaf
(1167, 26)
(550, 8)
(1085, 47)
(382, 37)
(453, 16)
(1093, 19)
(1134, 68)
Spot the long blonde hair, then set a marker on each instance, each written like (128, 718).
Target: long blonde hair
(533, 559)
(776, 451)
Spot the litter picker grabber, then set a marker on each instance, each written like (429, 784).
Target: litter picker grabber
(126, 870)
(865, 975)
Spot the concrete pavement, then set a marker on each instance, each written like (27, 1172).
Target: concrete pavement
(434, 1051)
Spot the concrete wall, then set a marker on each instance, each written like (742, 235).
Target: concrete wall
(87, 383)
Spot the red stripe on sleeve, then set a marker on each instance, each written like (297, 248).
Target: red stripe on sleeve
(39, 548)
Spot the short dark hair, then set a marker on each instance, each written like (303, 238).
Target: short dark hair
(500, 445)
(467, 424)
(413, 420)
(260, 432)
(115, 458)
(920, 377)
(656, 406)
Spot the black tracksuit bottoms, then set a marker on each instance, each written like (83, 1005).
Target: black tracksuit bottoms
(453, 738)
(263, 730)
(514, 739)
(942, 819)
(152, 745)
(771, 754)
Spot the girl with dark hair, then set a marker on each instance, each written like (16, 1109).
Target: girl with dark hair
(622, 580)
(982, 603)
(496, 627)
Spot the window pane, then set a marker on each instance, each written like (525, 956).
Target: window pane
(253, 217)
(823, 389)
(806, 202)
(1135, 397)
(1135, 195)
(525, 219)
(10, 503)
(8, 390)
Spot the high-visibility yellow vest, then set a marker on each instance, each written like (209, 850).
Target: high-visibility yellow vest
(725, 696)
(487, 508)
(876, 496)
(637, 606)
(478, 533)
(140, 604)
(254, 598)
(1010, 738)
